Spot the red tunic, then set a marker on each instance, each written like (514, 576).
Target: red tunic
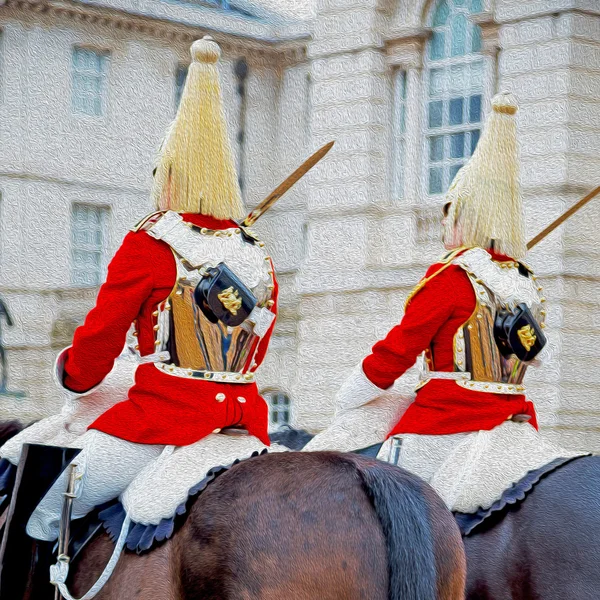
(432, 318)
(161, 408)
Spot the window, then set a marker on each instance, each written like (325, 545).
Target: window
(89, 75)
(399, 133)
(279, 409)
(88, 242)
(180, 77)
(454, 84)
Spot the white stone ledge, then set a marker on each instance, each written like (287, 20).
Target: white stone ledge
(535, 86)
(583, 371)
(583, 86)
(532, 31)
(512, 10)
(348, 65)
(371, 279)
(548, 55)
(577, 25)
(356, 42)
(344, 23)
(361, 87)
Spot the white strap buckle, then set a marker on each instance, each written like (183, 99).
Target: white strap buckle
(452, 375)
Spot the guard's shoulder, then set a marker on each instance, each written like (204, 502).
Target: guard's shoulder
(148, 220)
(443, 268)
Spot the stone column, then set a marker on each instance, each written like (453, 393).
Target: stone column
(349, 99)
(550, 61)
(406, 53)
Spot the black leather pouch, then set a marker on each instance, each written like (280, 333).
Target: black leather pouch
(517, 332)
(223, 297)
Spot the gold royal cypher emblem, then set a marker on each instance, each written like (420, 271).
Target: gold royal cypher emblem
(230, 300)
(527, 337)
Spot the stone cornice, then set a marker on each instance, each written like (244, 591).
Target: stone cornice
(404, 47)
(288, 50)
(490, 29)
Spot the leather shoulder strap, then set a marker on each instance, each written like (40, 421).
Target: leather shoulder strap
(143, 222)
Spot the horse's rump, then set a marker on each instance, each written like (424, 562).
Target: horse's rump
(309, 525)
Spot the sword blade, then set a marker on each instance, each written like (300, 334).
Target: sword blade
(283, 187)
(540, 236)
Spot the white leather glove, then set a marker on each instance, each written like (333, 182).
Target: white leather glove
(356, 391)
(71, 398)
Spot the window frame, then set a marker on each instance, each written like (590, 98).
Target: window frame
(104, 212)
(102, 76)
(178, 91)
(399, 135)
(269, 396)
(446, 130)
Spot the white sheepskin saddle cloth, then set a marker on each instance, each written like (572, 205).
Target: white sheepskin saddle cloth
(470, 471)
(361, 427)
(165, 484)
(66, 428)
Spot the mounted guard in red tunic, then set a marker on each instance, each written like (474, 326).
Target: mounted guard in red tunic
(201, 292)
(477, 318)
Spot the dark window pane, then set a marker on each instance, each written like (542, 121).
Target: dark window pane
(456, 111)
(436, 148)
(457, 145)
(475, 109)
(474, 139)
(435, 181)
(441, 14)
(435, 113)
(274, 400)
(286, 417)
(436, 49)
(454, 169)
(476, 38)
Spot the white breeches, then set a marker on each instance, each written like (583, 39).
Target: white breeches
(108, 464)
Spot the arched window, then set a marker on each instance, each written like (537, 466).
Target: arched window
(279, 409)
(454, 88)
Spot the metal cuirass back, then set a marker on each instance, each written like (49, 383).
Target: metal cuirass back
(498, 286)
(199, 347)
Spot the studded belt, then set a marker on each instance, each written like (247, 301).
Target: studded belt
(463, 379)
(214, 376)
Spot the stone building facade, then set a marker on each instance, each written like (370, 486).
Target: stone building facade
(403, 86)
(86, 94)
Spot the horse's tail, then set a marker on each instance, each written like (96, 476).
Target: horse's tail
(403, 505)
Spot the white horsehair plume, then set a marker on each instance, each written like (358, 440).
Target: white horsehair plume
(195, 169)
(485, 195)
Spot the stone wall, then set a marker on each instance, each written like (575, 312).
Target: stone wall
(51, 158)
(365, 249)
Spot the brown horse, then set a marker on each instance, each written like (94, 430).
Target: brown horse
(545, 547)
(296, 525)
